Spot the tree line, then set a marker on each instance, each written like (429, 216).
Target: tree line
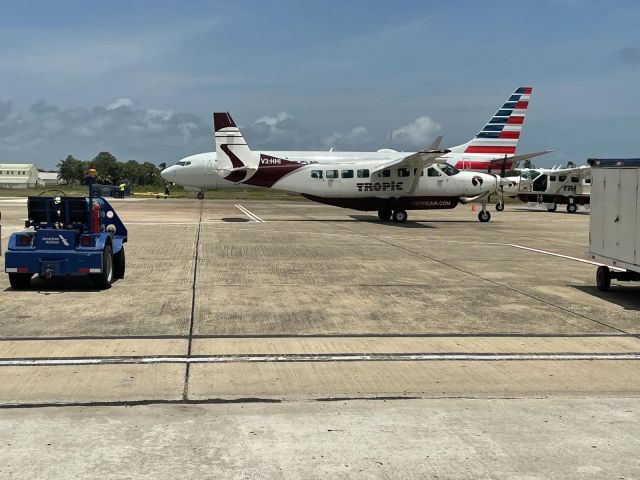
(109, 170)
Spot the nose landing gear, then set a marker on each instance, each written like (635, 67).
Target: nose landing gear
(484, 215)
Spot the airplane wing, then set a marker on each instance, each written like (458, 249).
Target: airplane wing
(421, 159)
(497, 163)
(581, 171)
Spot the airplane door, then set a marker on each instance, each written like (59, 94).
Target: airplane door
(541, 183)
(208, 166)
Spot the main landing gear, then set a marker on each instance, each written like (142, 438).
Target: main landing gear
(200, 195)
(399, 216)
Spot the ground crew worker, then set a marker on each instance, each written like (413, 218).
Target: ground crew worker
(122, 187)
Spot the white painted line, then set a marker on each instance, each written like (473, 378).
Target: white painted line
(582, 260)
(252, 216)
(30, 362)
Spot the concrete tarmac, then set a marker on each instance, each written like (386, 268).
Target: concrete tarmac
(301, 302)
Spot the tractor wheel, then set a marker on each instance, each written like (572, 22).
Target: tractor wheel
(119, 264)
(103, 280)
(20, 281)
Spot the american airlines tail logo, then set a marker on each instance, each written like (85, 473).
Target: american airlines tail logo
(64, 241)
(477, 181)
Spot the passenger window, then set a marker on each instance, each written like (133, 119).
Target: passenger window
(563, 178)
(332, 174)
(316, 173)
(347, 173)
(587, 181)
(363, 173)
(552, 178)
(384, 173)
(404, 172)
(432, 172)
(575, 179)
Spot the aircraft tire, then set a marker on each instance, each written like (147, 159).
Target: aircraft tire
(484, 216)
(499, 207)
(603, 278)
(200, 195)
(572, 208)
(384, 215)
(400, 216)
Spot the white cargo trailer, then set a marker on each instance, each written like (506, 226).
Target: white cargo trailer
(614, 234)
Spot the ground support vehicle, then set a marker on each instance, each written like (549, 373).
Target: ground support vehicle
(67, 236)
(614, 233)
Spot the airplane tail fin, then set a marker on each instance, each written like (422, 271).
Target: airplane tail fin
(234, 158)
(501, 133)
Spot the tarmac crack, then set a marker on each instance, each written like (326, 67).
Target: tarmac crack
(187, 370)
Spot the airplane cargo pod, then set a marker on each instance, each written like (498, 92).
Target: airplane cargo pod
(614, 230)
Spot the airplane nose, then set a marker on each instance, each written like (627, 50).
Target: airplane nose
(169, 174)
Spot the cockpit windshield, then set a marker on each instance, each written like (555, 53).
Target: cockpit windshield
(182, 163)
(529, 175)
(448, 169)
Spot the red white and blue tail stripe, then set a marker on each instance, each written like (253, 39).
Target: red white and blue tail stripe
(501, 134)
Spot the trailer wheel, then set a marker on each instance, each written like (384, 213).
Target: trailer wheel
(603, 278)
(103, 280)
(119, 264)
(20, 281)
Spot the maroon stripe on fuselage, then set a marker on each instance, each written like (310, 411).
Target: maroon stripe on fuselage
(271, 169)
(372, 204)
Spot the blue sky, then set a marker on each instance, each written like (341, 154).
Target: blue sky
(140, 79)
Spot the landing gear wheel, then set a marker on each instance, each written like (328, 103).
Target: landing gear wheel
(484, 216)
(400, 216)
(572, 208)
(20, 281)
(119, 264)
(384, 215)
(200, 195)
(499, 207)
(603, 278)
(552, 208)
(103, 280)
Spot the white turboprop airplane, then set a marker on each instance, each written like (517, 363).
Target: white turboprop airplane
(551, 186)
(415, 181)
(494, 145)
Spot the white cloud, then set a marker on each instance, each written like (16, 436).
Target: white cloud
(416, 133)
(354, 139)
(121, 102)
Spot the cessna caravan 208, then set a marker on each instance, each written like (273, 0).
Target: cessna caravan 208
(493, 147)
(416, 181)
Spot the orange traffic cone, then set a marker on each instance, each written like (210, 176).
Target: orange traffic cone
(473, 207)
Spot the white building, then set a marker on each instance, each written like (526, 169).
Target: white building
(18, 175)
(48, 178)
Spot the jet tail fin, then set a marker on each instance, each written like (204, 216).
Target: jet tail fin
(234, 158)
(501, 133)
